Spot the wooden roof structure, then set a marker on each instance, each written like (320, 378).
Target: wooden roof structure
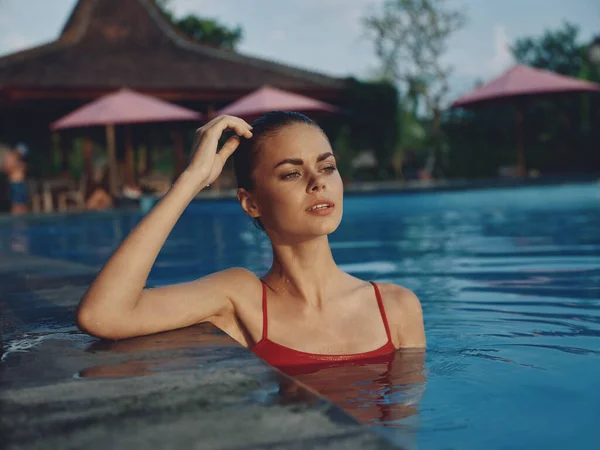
(109, 44)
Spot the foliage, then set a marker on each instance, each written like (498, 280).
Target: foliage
(559, 51)
(555, 140)
(373, 120)
(345, 152)
(480, 141)
(209, 31)
(556, 50)
(206, 31)
(410, 39)
(412, 130)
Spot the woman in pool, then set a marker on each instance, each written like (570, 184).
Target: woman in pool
(304, 310)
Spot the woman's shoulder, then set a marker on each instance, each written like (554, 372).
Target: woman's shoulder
(398, 297)
(234, 275)
(404, 314)
(238, 273)
(235, 282)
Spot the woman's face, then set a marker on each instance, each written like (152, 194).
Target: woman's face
(295, 172)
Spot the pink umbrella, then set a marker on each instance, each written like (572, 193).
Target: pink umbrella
(268, 99)
(125, 107)
(521, 83)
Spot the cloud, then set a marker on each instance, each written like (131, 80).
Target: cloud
(484, 61)
(479, 63)
(503, 57)
(278, 35)
(182, 7)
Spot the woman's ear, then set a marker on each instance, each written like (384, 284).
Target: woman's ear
(248, 204)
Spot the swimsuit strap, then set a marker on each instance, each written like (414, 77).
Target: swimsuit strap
(377, 294)
(264, 309)
(382, 310)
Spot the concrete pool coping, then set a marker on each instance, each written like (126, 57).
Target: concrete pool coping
(62, 389)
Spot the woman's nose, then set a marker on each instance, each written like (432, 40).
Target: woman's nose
(317, 184)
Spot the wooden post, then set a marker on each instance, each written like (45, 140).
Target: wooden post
(130, 176)
(112, 159)
(88, 166)
(211, 113)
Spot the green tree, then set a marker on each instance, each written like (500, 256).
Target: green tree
(345, 152)
(558, 51)
(204, 30)
(410, 39)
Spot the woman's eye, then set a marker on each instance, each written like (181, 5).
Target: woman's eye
(330, 169)
(290, 175)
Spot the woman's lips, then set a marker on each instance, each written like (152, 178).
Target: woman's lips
(322, 211)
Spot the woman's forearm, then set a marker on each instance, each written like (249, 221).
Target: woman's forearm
(121, 281)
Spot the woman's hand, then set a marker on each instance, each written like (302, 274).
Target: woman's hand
(206, 164)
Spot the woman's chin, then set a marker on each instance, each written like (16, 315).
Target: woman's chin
(324, 227)
(312, 226)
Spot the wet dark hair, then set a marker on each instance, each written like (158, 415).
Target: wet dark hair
(245, 156)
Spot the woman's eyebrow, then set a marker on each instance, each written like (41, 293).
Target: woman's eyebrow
(299, 162)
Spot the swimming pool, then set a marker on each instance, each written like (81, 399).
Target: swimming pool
(509, 280)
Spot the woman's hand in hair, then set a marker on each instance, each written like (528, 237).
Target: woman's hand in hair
(206, 163)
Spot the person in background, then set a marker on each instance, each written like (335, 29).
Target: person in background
(15, 167)
(100, 198)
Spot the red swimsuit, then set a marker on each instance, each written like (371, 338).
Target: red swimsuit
(280, 356)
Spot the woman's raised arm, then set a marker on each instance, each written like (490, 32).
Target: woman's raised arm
(116, 305)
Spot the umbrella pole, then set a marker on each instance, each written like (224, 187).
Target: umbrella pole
(129, 158)
(112, 158)
(520, 143)
(88, 169)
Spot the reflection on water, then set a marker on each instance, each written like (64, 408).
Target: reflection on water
(195, 337)
(380, 394)
(172, 351)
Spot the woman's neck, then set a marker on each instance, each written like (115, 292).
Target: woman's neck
(305, 270)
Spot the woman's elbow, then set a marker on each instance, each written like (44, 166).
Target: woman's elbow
(90, 323)
(85, 322)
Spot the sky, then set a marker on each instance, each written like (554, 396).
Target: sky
(327, 35)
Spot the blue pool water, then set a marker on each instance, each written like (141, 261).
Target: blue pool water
(509, 280)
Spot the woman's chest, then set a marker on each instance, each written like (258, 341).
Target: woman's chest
(348, 328)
